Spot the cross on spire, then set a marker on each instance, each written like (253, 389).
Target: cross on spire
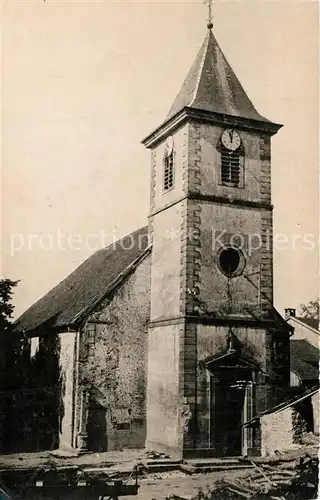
(209, 5)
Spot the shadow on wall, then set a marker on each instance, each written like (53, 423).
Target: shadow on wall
(302, 420)
(97, 427)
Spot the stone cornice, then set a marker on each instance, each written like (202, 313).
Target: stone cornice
(187, 114)
(220, 200)
(210, 320)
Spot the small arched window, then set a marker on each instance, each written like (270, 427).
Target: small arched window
(168, 167)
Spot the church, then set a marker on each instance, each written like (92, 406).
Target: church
(168, 339)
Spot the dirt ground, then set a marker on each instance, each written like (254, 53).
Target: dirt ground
(160, 489)
(154, 486)
(60, 459)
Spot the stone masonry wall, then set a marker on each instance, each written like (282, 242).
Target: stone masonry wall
(276, 431)
(114, 362)
(242, 216)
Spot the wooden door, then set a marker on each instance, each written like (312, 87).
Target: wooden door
(228, 410)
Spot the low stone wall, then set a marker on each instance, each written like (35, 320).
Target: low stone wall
(276, 431)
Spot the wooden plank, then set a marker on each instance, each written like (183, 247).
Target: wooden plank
(266, 477)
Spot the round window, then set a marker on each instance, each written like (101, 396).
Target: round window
(231, 261)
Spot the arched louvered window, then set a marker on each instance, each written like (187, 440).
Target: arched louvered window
(168, 168)
(230, 167)
(232, 159)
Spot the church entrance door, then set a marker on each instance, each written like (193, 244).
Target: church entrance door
(229, 409)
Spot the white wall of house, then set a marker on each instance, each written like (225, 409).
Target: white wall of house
(295, 380)
(304, 332)
(67, 363)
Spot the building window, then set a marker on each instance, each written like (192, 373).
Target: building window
(231, 261)
(230, 168)
(34, 346)
(231, 151)
(168, 171)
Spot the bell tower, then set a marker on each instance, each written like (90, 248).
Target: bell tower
(218, 351)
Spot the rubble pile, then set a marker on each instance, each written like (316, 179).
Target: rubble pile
(286, 481)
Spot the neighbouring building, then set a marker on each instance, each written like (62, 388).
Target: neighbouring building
(304, 358)
(304, 328)
(304, 364)
(168, 338)
(285, 425)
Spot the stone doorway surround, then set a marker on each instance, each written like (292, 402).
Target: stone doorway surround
(231, 388)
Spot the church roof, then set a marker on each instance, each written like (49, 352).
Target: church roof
(211, 85)
(76, 295)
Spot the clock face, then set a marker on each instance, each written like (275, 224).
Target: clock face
(231, 139)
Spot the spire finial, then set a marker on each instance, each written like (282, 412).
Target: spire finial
(209, 4)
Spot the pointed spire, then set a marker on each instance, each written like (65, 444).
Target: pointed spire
(211, 85)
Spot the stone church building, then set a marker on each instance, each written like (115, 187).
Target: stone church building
(168, 338)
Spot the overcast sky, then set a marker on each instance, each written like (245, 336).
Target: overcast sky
(84, 82)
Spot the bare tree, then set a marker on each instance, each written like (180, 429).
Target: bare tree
(311, 310)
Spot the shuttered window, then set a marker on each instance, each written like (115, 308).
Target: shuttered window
(168, 172)
(230, 167)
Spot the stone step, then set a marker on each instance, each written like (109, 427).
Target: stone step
(215, 461)
(160, 461)
(219, 467)
(162, 467)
